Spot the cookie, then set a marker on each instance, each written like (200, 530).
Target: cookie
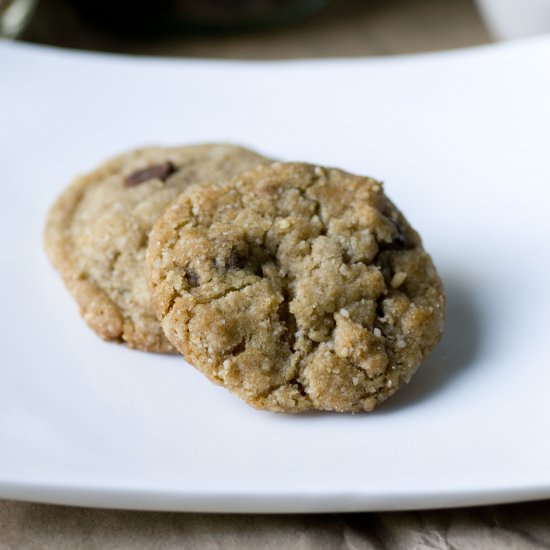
(296, 287)
(96, 233)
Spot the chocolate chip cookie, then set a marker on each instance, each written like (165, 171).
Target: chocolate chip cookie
(97, 231)
(296, 287)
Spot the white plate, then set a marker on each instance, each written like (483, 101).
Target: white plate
(463, 142)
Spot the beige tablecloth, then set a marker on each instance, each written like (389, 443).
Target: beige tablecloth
(347, 28)
(44, 527)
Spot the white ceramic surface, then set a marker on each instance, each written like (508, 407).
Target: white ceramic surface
(462, 140)
(508, 19)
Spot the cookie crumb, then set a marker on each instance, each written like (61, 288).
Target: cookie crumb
(284, 223)
(316, 335)
(398, 279)
(344, 270)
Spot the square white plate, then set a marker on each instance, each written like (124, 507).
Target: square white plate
(463, 142)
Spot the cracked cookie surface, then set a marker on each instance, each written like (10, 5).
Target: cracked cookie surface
(97, 231)
(296, 287)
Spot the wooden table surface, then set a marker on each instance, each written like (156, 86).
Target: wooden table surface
(345, 28)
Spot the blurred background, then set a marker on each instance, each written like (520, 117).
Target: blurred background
(270, 29)
(253, 29)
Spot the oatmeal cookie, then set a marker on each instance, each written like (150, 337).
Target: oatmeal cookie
(97, 231)
(296, 287)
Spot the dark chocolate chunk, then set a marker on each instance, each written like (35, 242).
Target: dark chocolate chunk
(400, 238)
(399, 242)
(159, 171)
(238, 349)
(236, 260)
(192, 277)
(288, 320)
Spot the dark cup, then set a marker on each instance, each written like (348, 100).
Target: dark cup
(161, 15)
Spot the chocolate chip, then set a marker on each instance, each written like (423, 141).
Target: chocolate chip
(159, 171)
(299, 386)
(400, 238)
(399, 242)
(238, 349)
(236, 260)
(192, 277)
(288, 320)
